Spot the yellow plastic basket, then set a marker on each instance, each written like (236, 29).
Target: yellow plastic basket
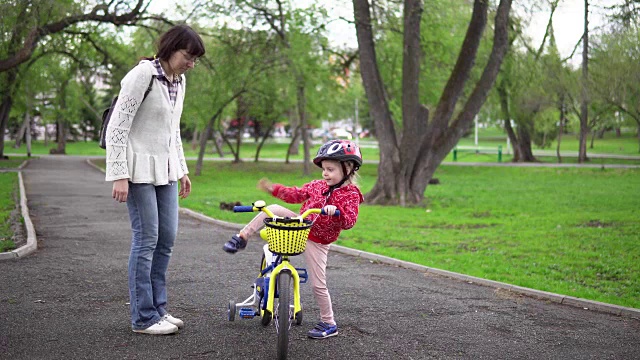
(287, 236)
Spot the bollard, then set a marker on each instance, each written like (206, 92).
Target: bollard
(499, 153)
(455, 154)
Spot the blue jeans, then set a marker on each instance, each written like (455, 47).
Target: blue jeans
(153, 211)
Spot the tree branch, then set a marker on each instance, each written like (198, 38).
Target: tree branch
(100, 13)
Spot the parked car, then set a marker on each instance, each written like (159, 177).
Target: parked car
(319, 133)
(341, 134)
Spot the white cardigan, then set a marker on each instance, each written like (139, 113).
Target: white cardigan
(143, 141)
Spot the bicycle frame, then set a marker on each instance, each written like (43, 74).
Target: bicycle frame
(284, 265)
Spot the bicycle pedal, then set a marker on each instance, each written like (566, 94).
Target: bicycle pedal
(247, 313)
(302, 273)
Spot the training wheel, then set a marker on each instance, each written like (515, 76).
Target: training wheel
(231, 310)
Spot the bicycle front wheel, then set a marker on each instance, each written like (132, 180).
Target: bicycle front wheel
(283, 312)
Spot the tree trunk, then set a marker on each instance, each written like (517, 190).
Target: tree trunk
(28, 133)
(263, 139)
(638, 137)
(302, 115)
(21, 131)
(385, 189)
(294, 124)
(7, 103)
(524, 132)
(561, 129)
(195, 139)
(61, 123)
(217, 144)
(407, 162)
(61, 137)
(295, 134)
(506, 113)
(584, 105)
(206, 134)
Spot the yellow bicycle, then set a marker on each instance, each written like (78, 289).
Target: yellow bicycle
(276, 291)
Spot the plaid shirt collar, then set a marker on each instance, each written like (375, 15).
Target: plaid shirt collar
(163, 74)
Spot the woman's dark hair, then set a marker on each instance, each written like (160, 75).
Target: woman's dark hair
(177, 38)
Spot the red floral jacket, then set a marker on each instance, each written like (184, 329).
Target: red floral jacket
(325, 229)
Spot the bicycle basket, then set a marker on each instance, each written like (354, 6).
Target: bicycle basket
(287, 236)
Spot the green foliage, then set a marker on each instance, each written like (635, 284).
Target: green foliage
(615, 74)
(546, 130)
(443, 29)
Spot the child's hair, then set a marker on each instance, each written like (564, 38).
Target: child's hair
(353, 175)
(344, 151)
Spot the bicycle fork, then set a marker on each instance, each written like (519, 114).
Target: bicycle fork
(285, 265)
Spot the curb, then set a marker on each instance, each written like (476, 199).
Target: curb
(32, 241)
(537, 294)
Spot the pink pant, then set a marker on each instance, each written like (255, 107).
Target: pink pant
(315, 256)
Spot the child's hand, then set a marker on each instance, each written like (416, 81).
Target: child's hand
(265, 185)
(329, 210)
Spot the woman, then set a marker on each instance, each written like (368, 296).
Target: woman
(145, 161)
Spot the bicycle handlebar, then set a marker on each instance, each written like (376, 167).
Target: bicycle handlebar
(262, 207)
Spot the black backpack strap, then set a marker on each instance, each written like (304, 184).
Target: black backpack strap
(153, 77)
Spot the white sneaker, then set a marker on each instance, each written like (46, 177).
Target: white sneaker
(173, 320)
(162, 327)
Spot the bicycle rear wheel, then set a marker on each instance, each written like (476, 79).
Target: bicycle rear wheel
(283, 312)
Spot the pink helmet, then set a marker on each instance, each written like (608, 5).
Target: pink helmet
(339, 150)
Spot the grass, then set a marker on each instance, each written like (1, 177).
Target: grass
(8, 189)
(564, 230)
(13, 163)
(627, 144)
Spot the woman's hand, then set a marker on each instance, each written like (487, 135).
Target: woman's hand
(120, 190)
(329, 210)
(185, 187)
(265, 185)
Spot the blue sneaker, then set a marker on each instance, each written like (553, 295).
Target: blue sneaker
(323, 330)
(236, 243)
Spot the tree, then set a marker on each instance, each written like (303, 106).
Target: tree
(409, 159)
(615, 73)
(584, 93)
(300, 37)
(26, 25)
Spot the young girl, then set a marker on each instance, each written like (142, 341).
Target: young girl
(339, 160)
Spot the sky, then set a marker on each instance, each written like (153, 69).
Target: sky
(568, 23)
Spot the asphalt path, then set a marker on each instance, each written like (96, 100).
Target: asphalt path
(68, 299)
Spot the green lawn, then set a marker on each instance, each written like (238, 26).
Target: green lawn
(12, 163)
(626, 144)
(8, 188)
(568, 231)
